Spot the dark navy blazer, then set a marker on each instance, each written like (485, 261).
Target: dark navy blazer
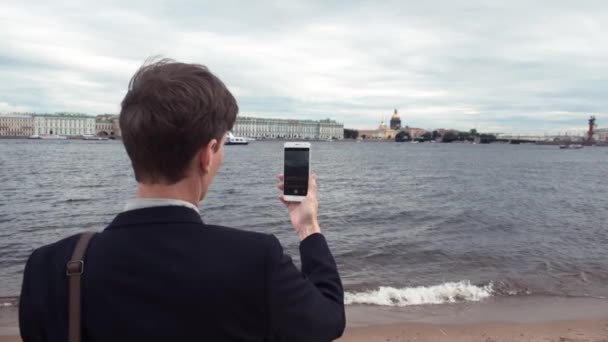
(161, 274)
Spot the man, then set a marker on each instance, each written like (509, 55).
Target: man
(157, 272)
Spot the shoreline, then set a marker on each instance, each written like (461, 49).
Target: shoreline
(554, 331)
(527, 318)
(523, 309)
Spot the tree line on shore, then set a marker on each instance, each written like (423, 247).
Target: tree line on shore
(446, 137)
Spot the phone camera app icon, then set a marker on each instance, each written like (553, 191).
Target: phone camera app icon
(295, 191)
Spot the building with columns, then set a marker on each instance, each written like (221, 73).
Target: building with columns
(107, 125)
(380, 133)
(601, 135)
(264, 128)
(65, 124)
(15, 125)
(388, 133)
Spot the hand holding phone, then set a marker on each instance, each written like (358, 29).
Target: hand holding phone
(303, 214)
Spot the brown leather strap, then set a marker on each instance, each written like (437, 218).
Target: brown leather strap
(74, 270)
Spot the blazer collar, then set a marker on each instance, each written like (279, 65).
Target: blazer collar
(152, 215)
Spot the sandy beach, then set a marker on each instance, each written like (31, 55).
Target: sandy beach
(559, 331)
(564, 331)
(541, 319)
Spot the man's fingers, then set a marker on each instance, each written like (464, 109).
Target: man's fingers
(281, 177)
(281, 186)
(312, 183)
(282, 199)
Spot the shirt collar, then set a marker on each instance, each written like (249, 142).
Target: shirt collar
(140, 203)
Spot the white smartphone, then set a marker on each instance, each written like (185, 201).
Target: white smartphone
(297, 169)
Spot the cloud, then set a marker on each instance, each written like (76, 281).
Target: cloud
(9, 108)
(512, 66)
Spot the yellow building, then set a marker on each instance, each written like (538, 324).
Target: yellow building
(380, 133)
(386, 133)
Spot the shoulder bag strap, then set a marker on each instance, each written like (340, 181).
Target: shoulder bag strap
(74, 269)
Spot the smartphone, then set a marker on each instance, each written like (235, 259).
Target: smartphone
(297, 169)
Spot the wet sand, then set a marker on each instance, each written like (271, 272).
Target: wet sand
(564, 331)
(541, 319)
(559, 331)
(9, 339)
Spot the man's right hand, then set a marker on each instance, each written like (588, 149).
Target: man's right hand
(303, 215)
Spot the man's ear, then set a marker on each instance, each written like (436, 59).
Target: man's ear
(205, 155)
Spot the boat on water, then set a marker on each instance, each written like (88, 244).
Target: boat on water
(232, 140)
(93, 137)
(48, 137)
(571, 147)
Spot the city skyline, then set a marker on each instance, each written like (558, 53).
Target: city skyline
(498, 67)
(579, 131)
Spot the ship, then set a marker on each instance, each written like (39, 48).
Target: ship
(571, 147)
(93, 137)
(232, 140)
(48, 137)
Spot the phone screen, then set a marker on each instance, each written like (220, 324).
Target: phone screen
(296, 171)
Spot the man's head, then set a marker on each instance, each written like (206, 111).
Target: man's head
(174, 120)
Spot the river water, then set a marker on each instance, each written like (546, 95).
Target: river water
(408, 223)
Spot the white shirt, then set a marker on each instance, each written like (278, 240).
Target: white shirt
(140, 203)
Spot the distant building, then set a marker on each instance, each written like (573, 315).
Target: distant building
(15, 125)
(287, 129)
(395, 121)
(66, 124)
(601, 134)
(413, 132)
(382, 132)
(106, 125)
(443, 131)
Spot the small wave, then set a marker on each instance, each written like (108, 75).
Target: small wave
(8, 301)
(72, 200)
(451, 292)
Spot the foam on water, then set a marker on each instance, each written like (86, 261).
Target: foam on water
(450, 292)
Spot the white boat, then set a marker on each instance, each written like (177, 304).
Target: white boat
(571, 147)
(34, 136)
(232, 140)
(92, 137)
(52, 137)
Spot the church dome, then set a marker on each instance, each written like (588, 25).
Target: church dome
(395, 121)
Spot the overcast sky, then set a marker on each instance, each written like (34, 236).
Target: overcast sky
(501, 66)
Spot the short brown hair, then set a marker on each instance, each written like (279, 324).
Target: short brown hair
(170, 111)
